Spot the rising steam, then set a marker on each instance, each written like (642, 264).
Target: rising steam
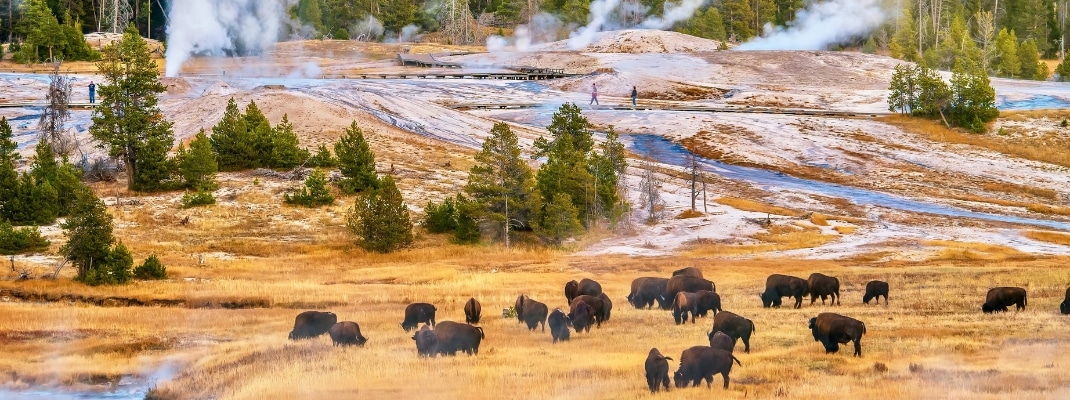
(600, 10)
(221, 27)
(674, 12)
(821, 24)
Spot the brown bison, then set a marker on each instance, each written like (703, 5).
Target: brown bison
(689, 271)
(426, 342)
(453, 337)
(683, 283)
(874, 290)
(1064, 307)
(310, 324)
(582, 316)
(685, 303)
(734, 326)
(703, 362)
(707, 301)
(723, 342)
(646, 290)
(472, 309)
(583, 287)
(833, 329)
(347, 333)
(416, 313)
(608, 306)
(598, 307)
(531, 312)
(571, 287)
(824, 286)
(657, 370)
(559, 323)
(1000, 297)
(778, 286)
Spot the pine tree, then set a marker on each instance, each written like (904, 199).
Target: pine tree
(9, 177)
(260, 133)
(41, 28)
(738, 19)
(575, 12)
(380, 219)
(567, 168)
(1029, 59)
(1007, 63)
(1063, 69)
(89, 233)
(198, 165)
(607, 167)
(705, 23)
(315, 192)
(323, 158)
(933, 94)
(64, 178)
(232, 142)
(285, 147)
(152, 268)
(502, 183)
(560, 220)
(903, 90)
(441, 217)
(308, 12)
(356, 161)
(973, 101)
(903, 41)
(397, 14)
(128, 122)
(467, 230)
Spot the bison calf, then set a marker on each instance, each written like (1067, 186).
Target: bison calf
(874, 290)
(310, 324)
(657, 370)
(832, 329)
(734, 326)
(720, 340)
(702, 362)
(416, 313)
(559, 323)
(472, 309)
(999, 298)
(684, 304)
(347, 333)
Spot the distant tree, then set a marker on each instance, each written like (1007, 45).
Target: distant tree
(198, 164)
(502, 184)
(114, 269)
(151, 269)
(1007, 63)
(356, 161)
(285, 147)
(902, 45)
(232, 141)
(89, 234)
(607, 166)
(397, 14)
(9, 177)
(467, 230)
(705, 23)
(128, 122)
(41, 28)
(314, 193)
(380, 219)
(323, 158)
(738, 16)
(440, 217)
(53, 120)
(1029, 59)
(575, 11)
(933, 94)
(1063, 69)
(902, 92)
(21, 240)
(973, 101)
(650, 192)
(63, 177)
(870, 47)
(309, 13)
(560, 220)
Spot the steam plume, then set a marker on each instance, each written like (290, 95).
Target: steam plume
(674, 12)
(821, 24)
(600, 10)
(221, 27)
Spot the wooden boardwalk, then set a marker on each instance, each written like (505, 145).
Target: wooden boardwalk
(678, 108)
(77, 106)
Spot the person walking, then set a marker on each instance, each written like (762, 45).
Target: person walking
(594, 95)
(92, 92)
(635, 94)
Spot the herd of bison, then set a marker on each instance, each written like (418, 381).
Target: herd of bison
(687, 294)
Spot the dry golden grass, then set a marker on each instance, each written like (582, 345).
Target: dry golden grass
(777, 238)
(1038, 149)
(845, 230)
(1048, 236)
(1034, 207)
(970, 251)
(751, 205)
(819, 219)
(689, 213)
(1013, 188)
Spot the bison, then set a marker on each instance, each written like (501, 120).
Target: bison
(721, 341)
(310, 324)
(824, 286)
(583, 287)
(559, 323)
(689, 271)
(703, 362)
(598, 307)
(734, 326)
(582, 316)
(347, 333)
(657, 370)
(685, 303)
(646, 290)
(1000, 297)
(608, 309)
(778, 286)
(426, 342)
(874, 290)
(832, 329)
(683, 283)
(1064, 307)
(531, 312)
(707, 301)
(453, 337)
(472, 309)
(571, 287)
(416, 313)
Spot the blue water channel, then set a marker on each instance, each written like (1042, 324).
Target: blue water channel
(669, 152)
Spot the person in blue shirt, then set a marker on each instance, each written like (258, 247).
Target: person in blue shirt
(92, 92)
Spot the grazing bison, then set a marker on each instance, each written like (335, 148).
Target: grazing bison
(582, 316)
(683, 283)
(646, 290)
(416, 313)
(778, 286)
(689, 271)
(310, 324)
(874, 290)
(472, 309)
(598, 307)
(707, 301)
(734, 326)
(824, 286)
(558, 322)
(583, 287)
(723, 342)
(571, 287)
(347, 333)
(531, 312)
(684, 303)
(1064, 307)
(657, 370)
(702, 362)
(1000, 297)
(453, 337)
(832, 329)
(608, 309)
(426, 342)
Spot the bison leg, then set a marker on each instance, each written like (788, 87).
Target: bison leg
(709, 381)
(665, 381)
(798, 302)
(858, 347)
(746, 343)
(813, 298)
(725, 376)
(652, 383)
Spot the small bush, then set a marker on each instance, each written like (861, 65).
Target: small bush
(440, 218)
(314, 194)
(115, 269)
(21, 240)
(1064, 123)
(151, 269)
(190, 200)
(323, 158)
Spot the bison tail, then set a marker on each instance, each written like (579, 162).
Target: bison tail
(863, 327)
(668, 358)
(752, 328)
(481, 335)
(737, 360)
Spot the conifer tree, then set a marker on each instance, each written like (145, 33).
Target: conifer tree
(903, 90)
(41, 28)
(89, 233)
(1007, 63)
(973, 101)
(903, 45)
(314, 193)
(232, 142)
(1029, 59)
(285, 150)
(198, 164)
(560, 219)
(356, 161)
(9, 177)
(501, 183)
(380, 219)
(1063, 69)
